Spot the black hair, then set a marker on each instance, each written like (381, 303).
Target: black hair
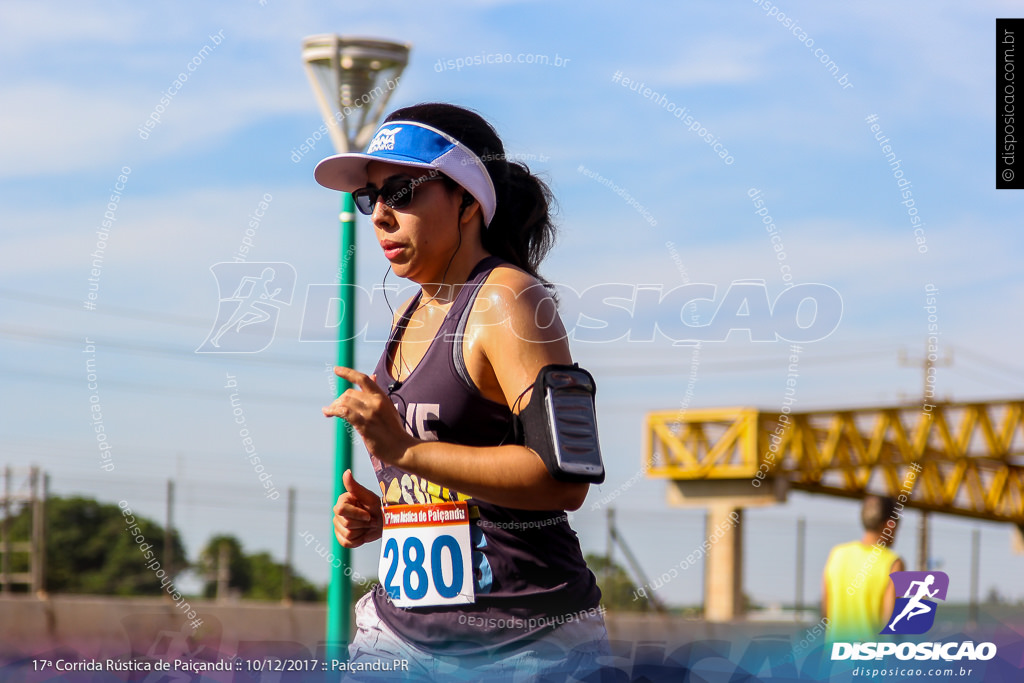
(521, 231)
(876, 512)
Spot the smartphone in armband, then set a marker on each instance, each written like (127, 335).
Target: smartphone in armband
(560, 424)
(573, 426)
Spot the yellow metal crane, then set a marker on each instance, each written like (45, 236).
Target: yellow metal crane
(959, 458)
(962, 459)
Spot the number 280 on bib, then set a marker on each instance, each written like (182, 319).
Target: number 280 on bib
(425, 555)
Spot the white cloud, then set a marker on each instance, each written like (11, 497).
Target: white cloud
(708, 60)
(28, 27)
(60, 129)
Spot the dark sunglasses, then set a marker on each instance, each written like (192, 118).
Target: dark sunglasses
(396, 193)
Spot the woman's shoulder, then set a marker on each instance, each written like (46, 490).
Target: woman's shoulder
(511, 284)
(512, 299)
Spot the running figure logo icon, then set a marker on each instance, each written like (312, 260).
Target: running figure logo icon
(251, 296)
(914, 613)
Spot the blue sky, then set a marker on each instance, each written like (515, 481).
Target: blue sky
(81, 79)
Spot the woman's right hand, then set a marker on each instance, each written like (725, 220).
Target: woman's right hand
(358, 517)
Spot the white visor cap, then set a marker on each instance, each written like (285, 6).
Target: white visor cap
(410, 143)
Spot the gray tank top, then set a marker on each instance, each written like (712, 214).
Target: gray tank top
(529, 572)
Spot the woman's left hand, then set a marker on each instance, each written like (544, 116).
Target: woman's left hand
(370, 412)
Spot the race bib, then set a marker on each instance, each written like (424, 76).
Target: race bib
(425, 555)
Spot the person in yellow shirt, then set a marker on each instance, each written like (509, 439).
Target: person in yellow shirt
(857, 596)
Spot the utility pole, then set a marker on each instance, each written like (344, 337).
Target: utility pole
(223, 571)
(35, 549)
(972, 612)
(610, 546)
(5, 569)
(286, 581)
(704, 573)
(801, 530)
(168, 528)
(615, 537)
(42, 536)
(930, 362)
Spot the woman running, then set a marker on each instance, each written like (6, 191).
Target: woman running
(480, 573)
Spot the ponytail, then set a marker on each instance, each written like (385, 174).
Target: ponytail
(521, 231)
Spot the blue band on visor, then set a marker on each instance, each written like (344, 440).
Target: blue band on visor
(404, 143)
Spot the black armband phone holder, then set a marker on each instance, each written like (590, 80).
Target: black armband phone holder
(560, 424)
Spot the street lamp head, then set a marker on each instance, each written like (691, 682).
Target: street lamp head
(352, 78)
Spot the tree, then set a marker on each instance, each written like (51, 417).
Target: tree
(256, 577)
(268, 583)
(239, 576)
(617, 589)
(91, 547)
(994, 597)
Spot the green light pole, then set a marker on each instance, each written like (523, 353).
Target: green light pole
(352, 78)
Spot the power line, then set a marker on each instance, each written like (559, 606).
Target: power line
(135, 314)
(979, 375)
(733, 365)
(766, 363)
(139, 387)
(180, 353)
(982, 358)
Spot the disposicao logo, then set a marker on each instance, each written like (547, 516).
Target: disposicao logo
(914, 613)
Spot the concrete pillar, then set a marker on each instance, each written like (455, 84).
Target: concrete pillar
(724, 500)
(723, 569)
